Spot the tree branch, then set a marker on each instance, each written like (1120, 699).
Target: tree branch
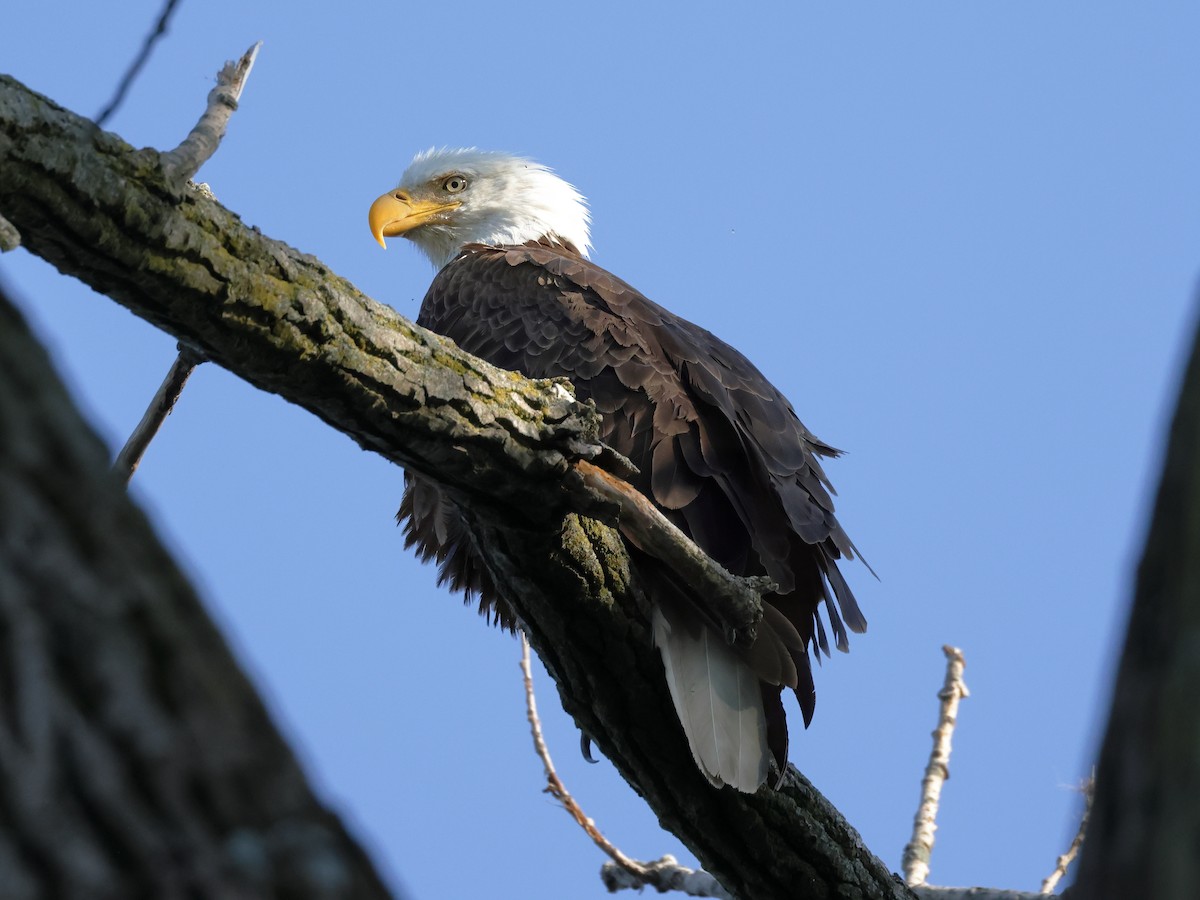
(919, 850)
(98, 210)
(156, 413)
(664, 875)
(159, 30)
(554, 786)
(1063, 862)
(185, 160)
(112, 217)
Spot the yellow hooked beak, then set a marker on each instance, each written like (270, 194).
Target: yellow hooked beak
(396, 213)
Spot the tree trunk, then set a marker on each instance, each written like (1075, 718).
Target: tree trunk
(136, 760)
(1144, 834)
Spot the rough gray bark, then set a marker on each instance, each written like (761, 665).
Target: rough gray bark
(102, 212)
(95, 208)
(1143, 838)
(135, 758)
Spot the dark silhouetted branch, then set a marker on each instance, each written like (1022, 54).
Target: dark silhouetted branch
(131, 74)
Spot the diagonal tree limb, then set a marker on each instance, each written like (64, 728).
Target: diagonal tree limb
(110, 216)
(100, 211)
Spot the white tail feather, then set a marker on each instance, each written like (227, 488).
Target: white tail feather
(718, 701)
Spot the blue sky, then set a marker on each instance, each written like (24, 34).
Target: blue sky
(961, 238)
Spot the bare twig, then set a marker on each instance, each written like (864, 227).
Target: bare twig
(734, 602)
(185, 160)
(1063, 862)
(156, 413)
(915, 862)
(664, 874)
(10, 238)
(554, 786)
(160, 29)
(180, 165)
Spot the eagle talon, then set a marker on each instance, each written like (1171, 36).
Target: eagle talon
(585, 748)
(610, 460)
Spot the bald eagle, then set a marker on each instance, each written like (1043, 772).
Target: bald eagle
(718, 448)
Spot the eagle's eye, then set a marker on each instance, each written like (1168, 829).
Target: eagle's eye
(454, 184)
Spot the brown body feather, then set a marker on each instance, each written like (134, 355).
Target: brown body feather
(719, 449)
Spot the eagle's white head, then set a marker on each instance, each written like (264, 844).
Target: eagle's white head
(447, 198)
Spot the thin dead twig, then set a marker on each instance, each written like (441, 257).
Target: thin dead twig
(1063, 862)
(160, 29)
(554, 786)
(915, 862)
(180, 165)
(663, 874)
(156, 413)
(201, 143)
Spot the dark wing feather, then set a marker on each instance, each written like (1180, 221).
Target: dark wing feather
(719, 449)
